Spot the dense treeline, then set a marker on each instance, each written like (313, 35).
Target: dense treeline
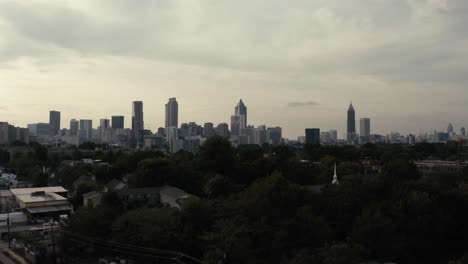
(256, 204)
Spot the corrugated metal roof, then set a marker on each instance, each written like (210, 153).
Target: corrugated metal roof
(47, 209)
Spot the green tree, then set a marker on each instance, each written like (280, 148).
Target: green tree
(216, 155)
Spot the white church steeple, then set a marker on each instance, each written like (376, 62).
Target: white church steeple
(335, 177)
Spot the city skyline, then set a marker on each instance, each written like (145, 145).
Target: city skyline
(295, 66)
(154, 127)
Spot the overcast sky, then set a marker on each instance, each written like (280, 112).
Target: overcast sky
(296, 64)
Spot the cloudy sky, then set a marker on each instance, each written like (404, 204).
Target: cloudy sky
(296, 64)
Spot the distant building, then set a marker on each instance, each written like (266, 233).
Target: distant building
(138, 124)
(172, 113)
(118, 122)
(241, 109)
(334, 136)
(54, 122)
(450, 129)
(154, 141)
(351, 123)
(274, 135)
(161, 131)
(74, 127)
(312, 136)
(105, 131)
(208, 130)
(222, 130)
(260, 135)
(237, 122)
(365, 127)
(86, 130)
(462, 131)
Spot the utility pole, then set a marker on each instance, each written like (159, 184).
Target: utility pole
(53, 242)
(8, 224)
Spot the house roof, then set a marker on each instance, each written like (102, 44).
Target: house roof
(174, 192)
(91, 195)
(45, 197)
(116, 185)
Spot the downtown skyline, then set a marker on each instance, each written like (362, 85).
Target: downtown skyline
(402, 63)
(147, 124)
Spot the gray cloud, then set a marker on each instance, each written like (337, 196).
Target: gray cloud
(303, 104)
(379, 51)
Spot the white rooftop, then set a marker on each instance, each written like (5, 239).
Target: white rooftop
(47, 197)
(29, 191)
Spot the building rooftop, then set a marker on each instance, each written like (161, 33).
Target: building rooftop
(40, 197)
(174, 192)
(29, 191)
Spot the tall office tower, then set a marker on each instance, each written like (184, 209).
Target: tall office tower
(172, 113)
(274, 135)
(334, 136)
(4, 135)
(118, 122)
(237, 122)
(351, 124)
(241, 109)
(462, 131)
(450, 129)
(312, 136)
(222, 130)
(86, 130)
(365, 127)
(54, 122)
(74, 127)
(208, 130)
(138, 124)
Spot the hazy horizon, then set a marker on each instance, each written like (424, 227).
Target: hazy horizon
(298, 64)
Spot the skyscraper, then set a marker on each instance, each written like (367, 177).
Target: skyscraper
(365, 127)
(462, 131)
(351, 124)
(118, 122)
(450, 129)
(241, 109)
(74, 127)
(312, 136)
(138, 124)
(54, 122)
(172, 113)
(236, 125)
(86, 130)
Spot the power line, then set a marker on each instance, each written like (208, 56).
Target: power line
(173, 254)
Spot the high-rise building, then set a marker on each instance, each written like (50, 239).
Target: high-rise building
(208, 130)
(54, 122)
(365, 127)
(222, 130)
(74, 127)
(462, 131)
(86, 130)
(172, 113)
(334, 136)
(104, 125)
(241, 109)
(450, 129)
(118, 122)
(138, 124)
(274, 135)
(312, 136)
(4, 135)
(237, 122)
(351, 123)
